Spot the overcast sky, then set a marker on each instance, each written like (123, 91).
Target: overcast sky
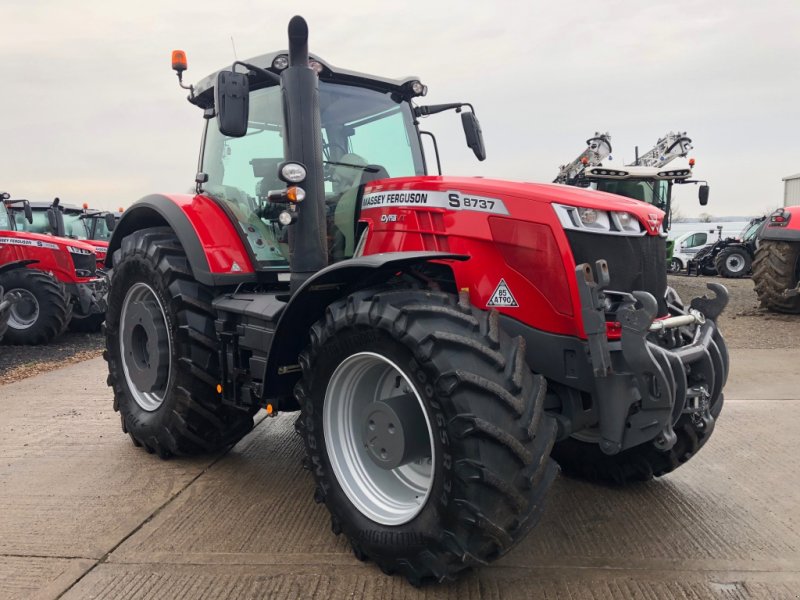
(92, 112)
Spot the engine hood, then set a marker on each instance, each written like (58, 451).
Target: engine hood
(541, 193)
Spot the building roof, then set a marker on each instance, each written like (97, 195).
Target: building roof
(795, 176)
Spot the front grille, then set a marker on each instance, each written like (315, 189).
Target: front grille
(634, 263)
(85, 264)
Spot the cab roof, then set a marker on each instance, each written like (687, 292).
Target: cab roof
(205, 94)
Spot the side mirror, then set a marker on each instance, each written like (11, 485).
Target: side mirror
(703, 195)
(472, 131)
(232, 101)
(111, 221)
(28, 213)
(5, 196)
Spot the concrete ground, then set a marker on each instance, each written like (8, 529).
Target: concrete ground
(85, 514)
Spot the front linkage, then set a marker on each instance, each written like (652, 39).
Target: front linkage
(646, 381)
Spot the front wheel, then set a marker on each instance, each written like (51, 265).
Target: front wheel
(161, 349)
(425, 431)
(675, 265)
(42, 308)
(733, 262)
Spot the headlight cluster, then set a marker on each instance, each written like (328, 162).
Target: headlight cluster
(76, 250)
(592, 220)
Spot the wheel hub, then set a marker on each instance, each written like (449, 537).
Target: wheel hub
(394, 432)
(25, 311)
(734, 262)
(145, 346)
(378, 438)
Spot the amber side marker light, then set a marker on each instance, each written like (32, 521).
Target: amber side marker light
(219, 388)
(270, 410)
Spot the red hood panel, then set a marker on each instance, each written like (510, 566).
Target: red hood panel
(547, 193)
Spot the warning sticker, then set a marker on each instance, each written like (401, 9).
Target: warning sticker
(502, 296)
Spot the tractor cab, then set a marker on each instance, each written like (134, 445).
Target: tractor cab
(368, 129)
(652, 185)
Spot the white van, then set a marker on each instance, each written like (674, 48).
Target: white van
(687, 245)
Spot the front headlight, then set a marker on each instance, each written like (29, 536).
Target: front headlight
(593, 220)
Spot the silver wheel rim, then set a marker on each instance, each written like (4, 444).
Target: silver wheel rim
(734, 263)
(149, 401)
(675, 265)
(25, 312)
(386, 496)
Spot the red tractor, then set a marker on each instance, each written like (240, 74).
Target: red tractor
(776, 268)
(58, 288)
(444, 339)
(70, 221)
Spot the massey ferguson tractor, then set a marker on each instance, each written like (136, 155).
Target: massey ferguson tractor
(59, 284)
(776, 268)
(447, 341)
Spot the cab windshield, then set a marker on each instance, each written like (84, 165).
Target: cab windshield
(97, 228)
(74, 226)
(650, 191)
(366, 135)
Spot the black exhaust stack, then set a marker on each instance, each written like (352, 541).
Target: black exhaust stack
(308, 248)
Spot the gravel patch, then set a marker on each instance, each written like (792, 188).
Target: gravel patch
(744, 324)
(19, 362)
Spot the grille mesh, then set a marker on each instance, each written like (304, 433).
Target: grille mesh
(85, 263)
(634, 263)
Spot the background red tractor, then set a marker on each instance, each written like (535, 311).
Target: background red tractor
(70, 221)
(440, 336)
(57, 288)
(776, 268)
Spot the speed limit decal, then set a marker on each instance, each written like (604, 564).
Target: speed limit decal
(502, 296)
(450, 200)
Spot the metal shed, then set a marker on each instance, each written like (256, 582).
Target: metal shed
(791, 190)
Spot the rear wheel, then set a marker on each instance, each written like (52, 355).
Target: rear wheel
(733, 262)
(425, 431)
(161, 350)
(775, 270)
(41, 311)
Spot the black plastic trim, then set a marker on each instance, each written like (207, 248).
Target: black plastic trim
(780, 234)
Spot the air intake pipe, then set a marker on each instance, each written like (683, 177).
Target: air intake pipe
(308, 248)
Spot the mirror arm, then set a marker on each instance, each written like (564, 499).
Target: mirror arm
(268, 74)
(435, 149)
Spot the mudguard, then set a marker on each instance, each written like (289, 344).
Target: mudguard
(308, 304)
(785, 231)
(213, 247)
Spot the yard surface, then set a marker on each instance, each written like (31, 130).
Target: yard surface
(85, 514)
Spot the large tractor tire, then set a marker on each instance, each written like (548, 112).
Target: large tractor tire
(733, 262)
(42, 310)
(775, 270)
(425, 431)
(581, 457)
(161, 349)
